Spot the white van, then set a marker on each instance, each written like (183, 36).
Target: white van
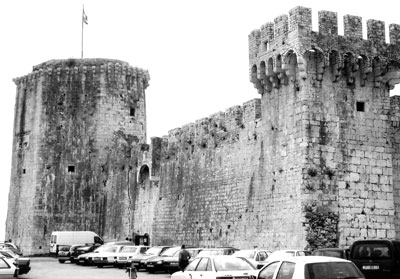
(71, 238)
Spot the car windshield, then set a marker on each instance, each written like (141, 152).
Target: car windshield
(249, 254)
(331, 270)
(128, 249)
(169, 252)
(63, 248)
(5, 254)
(109, 249)
(329, 253)
(214, 252)
(231, 263)
(371, 251)
(153, 251)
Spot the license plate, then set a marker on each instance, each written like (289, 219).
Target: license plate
(135, 263)
(370, 267)
(150, 265)
(123, 258)
(174, 264)
(96, 259)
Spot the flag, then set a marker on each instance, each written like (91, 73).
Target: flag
(84, 17)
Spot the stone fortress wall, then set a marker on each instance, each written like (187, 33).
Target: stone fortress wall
(313, 162)
(317, 166)
(78, 131)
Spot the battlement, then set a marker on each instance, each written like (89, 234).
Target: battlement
(84, 67)
(218, 127)
(288, 49)
(300, 20)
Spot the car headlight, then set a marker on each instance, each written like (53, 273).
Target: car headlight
(159, 262)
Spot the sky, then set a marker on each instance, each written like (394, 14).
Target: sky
(196, 51)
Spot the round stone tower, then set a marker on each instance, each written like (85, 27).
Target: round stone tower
(79, 127)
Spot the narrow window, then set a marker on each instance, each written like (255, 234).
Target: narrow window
(23, 171)
(360, 106)
(71, 168)
(132, 112)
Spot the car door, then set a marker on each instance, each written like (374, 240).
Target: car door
(268, 271)
(286, 270)
(203, 270)
(5, 270)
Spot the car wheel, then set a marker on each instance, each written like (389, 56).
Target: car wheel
(61, 261)
(100, 266)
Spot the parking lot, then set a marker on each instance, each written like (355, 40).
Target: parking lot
(50, 268)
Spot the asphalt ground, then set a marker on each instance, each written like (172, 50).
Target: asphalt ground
(50, 268)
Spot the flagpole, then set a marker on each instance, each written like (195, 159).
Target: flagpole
(83, 9)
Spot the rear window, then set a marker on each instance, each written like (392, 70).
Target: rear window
(329, 253)
(331, 270)
(367, 250)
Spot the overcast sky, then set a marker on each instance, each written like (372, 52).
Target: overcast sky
(195, 50)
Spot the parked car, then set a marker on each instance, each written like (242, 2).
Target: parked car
(155, 263)
(63, 253)
(77, 250)
(217, 251)
(59, 238)
(139, 260)
(221, 266)
(108, 256)
(127, 253)
(279, 254)
(332, 252)
(8, 269)
(314, 267)
(257, 257)
(11, 246)
(23, 263)
(87, 258)
(377, 258)
(171, 264)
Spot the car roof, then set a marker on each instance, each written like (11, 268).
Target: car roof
(312, 259)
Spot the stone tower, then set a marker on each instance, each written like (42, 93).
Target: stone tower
(79, 127)
(326, 102)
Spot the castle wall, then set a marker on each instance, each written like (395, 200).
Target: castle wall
(84, 123)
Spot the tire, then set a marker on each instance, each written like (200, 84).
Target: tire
(100, 266)
(61, 261)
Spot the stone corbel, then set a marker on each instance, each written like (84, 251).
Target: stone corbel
(302, 66)
(391, 78)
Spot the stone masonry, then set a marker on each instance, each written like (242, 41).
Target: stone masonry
(79, 129)
(311, 163)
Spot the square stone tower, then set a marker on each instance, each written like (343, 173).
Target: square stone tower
(326, 104)
(79, 127)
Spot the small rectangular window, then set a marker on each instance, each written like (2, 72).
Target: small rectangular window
(132, 112)
(71, 168)
(360, 106)
(23, 171)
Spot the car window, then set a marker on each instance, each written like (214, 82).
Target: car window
(143, 249)
(202, 266)
(3, 264)
(372, 251)
(192, 265)
(128, 249)
(286, 270)
(261, 256)
(268, 271)
(232, 263)
(331, 270)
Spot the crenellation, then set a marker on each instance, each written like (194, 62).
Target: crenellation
(394, 34)
(327, 23)
(267, 32)
(281, 26)
(376, 32)
(353, 27)
(300, 19)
